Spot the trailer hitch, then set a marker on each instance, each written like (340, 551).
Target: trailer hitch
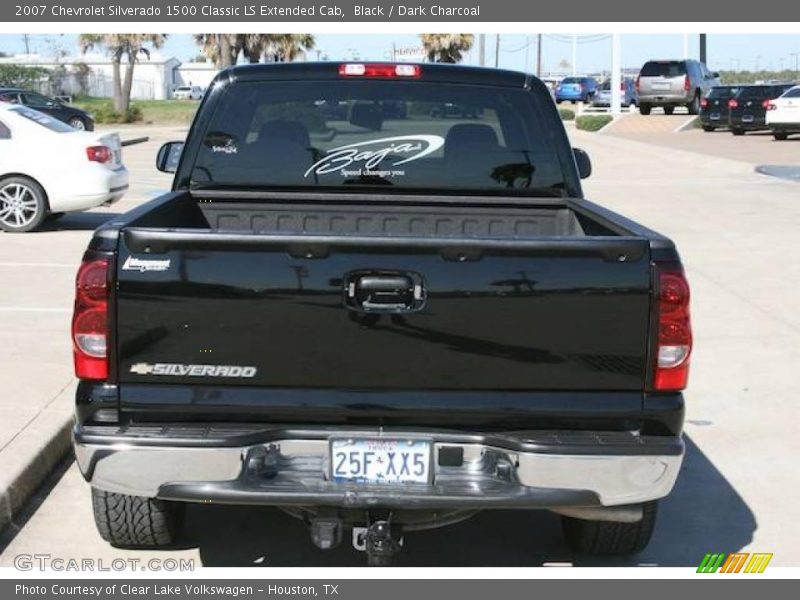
(380, 540)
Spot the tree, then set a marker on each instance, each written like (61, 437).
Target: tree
(222, 48)
(446, 47)
(121, 46)
(276, 47)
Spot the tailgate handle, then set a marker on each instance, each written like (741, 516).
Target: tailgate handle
(384, 292)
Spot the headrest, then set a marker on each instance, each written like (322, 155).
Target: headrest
(284, 132)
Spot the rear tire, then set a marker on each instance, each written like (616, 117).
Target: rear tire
(737, 131)
(645, 109)
(136, 522)
(609, 538)
(668, 110)
(23, 205)
(708, 128)
(77, 123)
(694, 105)
(780, 135)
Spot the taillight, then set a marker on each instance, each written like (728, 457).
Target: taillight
(379, 70)
(704, 103)
(621, 86)
(769, 105)
(638, 77)
(674, 329)
(90, 320)
(687, 85)
(101, 154)
(733, 103)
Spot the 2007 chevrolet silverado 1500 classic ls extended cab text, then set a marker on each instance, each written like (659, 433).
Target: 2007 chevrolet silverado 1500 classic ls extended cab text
(379, 320)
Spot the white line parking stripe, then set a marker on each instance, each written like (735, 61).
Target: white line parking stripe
(27, 264)
(33, 309)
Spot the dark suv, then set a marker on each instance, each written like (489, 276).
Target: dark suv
(748, 108)
(714, 107)
(70, 115)
(671, 83)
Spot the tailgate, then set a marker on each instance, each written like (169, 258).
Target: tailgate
(352, 312)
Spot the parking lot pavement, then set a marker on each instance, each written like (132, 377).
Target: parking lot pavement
(38, 270)
(736, 231)
(756, 148)
(644, 126)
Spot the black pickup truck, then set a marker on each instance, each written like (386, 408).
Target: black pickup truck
(379, 324)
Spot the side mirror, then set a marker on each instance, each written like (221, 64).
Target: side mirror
(583, 162)
(169, 155)
(715, 75)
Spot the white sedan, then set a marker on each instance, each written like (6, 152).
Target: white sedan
(48, 168)
(186, 92)
(783, 114)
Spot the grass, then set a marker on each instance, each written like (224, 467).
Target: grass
(593, 122)
(566, 114)
(150, 112)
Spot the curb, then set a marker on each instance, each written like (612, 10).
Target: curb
(29, 459)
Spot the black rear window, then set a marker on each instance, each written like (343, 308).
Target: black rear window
(723, 93)
(673, 68)
(754, 91)
(398, 134)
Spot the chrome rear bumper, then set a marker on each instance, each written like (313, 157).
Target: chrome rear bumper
(285, 467)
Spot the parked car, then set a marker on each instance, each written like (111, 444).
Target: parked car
(673, 83)
(574, 89)
(75, 117)
(49, 168)
(714, 107)
(747, 110)
(186, 92)
(783, 114)
(627, 88)
(385, 359)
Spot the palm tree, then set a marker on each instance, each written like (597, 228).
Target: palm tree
(222, 48)
(276, 47)
(119, 46)
(446, 47)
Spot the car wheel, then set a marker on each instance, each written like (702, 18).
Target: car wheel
(559, 101)
(573, 101)
(136, 522)
(668, 110)
(737, 131)
(645, 109)
(694, 105)
(608, 537)
(23, 205)
(77, 123)
(708, 128)
(780, 135)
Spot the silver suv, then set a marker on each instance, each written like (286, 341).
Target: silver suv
(671, 83)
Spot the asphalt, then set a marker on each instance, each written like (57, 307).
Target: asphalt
(736, 230)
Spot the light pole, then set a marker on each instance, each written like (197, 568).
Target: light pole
(796, 70)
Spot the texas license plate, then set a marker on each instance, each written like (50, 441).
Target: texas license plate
(660, 85)
(380, 460)
(747, 118)
(714, 116)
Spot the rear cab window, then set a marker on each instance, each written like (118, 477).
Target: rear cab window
(5, 132)
(669, 68)
(392, 135)
(792, 93)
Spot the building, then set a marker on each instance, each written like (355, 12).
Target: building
(154, 77)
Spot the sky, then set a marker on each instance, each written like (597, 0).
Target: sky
(725, 51)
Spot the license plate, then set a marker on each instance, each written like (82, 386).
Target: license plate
(714, 116)
(380, 461)
(747, 118)
(660, 85)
